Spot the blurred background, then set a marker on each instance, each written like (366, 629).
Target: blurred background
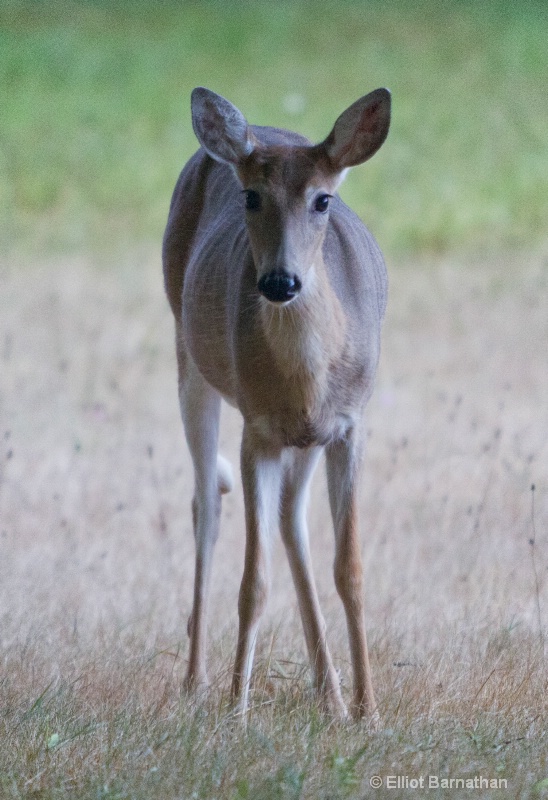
(95, 121)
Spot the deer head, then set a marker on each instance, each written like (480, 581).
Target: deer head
(287, 187)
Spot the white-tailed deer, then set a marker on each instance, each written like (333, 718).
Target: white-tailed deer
(278, 292)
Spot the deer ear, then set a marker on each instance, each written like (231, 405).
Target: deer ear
(359, 131)
(221, 129)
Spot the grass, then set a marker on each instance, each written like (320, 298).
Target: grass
(96, 554)
(95, 119)
(132, 735)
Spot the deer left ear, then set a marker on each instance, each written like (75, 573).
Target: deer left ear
(359, 131)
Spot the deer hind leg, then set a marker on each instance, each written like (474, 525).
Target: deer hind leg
(261, 479)
(294, 529)
(200, 410)
(343, 460)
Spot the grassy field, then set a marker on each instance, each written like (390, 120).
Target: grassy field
(96, 549)
(97, 554)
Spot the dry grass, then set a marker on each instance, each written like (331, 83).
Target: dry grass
(96, 552)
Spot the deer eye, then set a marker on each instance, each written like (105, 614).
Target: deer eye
(321, 204)
(252, 200)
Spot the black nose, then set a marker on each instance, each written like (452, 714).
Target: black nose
(279, 287)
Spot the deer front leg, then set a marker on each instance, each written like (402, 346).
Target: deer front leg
(261, 478)
(294, 530)
(343, 462)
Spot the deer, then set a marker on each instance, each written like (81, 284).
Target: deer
(278, 292)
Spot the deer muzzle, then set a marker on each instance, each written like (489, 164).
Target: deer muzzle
(279, 286)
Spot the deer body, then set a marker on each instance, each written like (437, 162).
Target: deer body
(278, 302)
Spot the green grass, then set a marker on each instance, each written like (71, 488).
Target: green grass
(95, 121)
(131, 734)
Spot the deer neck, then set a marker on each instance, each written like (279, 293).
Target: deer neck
(305, 336)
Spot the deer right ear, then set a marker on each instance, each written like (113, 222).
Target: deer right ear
(359, 131)
(221, 129)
